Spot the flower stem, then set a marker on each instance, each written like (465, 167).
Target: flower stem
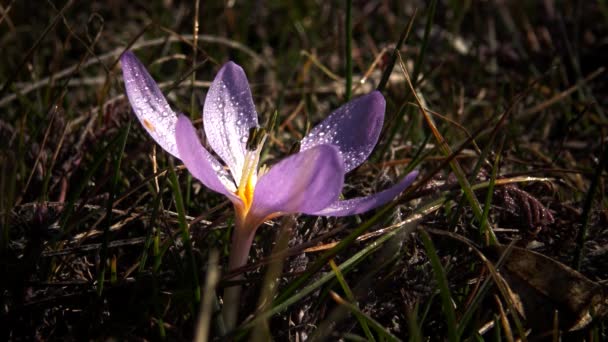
(242, 239)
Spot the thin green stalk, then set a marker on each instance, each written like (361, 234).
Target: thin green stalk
(74, 196)
(384, 334)
(413, 325)
(490, 193)
(349, 49)
(444, 289)
(206, 308)
(480, 161)
(151, 237)
(185, 233)
(351, 297)
(108, 218)
(262, 331)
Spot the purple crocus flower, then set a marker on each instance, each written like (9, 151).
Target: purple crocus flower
(307, 182)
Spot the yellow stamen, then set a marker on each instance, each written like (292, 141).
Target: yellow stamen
(249, 176)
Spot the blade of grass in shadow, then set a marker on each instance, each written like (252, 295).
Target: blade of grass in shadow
(504, 321)
(49, 172)
(52, 115)
(261, 331)
(206, 309)
(185, 233)
(122, 141)
(480, 161)
(11, 161)
(384, 335)
(444, 289)
(150, 238)
(153, 242)
(582, 232)
(352, 299)
(348, 53)
(352, 337)
(413, 325)
(497, 331)
(98, 158)
(155, 285)
(494, 279)
(490, 193)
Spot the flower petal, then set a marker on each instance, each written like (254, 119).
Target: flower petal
(228, 114)
(201, 164)
(362, 204)
(305, 182)
(354, 128)
(149, 104)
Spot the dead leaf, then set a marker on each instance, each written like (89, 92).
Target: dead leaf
(543, 286)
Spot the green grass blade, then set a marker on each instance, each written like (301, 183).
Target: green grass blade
(122, 141)
(185, 233)
(75, 195)
(384, 334)
(350, 296)
(414, 326)
(444, 289)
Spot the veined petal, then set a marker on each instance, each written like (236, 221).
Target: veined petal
(354, 128)
(201, 164)
(305, 182)
(228, 114)
(149, 104)
(362, 204)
